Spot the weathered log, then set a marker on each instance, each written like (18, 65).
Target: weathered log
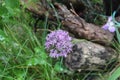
(73, 23)
(88, 56)
(82, 29)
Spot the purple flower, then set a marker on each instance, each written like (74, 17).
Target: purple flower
(109, 25)
(58, 43)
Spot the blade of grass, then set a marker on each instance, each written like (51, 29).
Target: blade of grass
(115, 74)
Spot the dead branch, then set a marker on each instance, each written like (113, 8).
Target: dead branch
(73, 23)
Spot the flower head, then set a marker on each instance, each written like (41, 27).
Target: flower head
(109, 25)
(58, 43)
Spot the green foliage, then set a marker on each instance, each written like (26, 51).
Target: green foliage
(115, 74)
(10, 9)
(12, 4)
(39, 58)
(118, 35)
(117, 25)
(22, 55)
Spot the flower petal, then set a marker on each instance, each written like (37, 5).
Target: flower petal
(111, 29)
(105, 27)
(109, 19)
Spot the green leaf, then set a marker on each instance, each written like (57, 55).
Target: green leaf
(118, 35)
(3, 11)
(35, 61)
(40, 52)
(115, 74)
(2, 36)
(39, 58)
(12, 3)
(37, 50)
(58, 67)
(32, 61)
(19, 74)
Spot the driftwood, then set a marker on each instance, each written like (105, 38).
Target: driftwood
(73, 23)
(90, 56)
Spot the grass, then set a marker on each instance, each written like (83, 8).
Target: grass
(22, 52)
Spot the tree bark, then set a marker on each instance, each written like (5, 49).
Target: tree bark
(72, 22)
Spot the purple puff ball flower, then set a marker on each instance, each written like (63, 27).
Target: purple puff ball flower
(109, 25)
(58, 43)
